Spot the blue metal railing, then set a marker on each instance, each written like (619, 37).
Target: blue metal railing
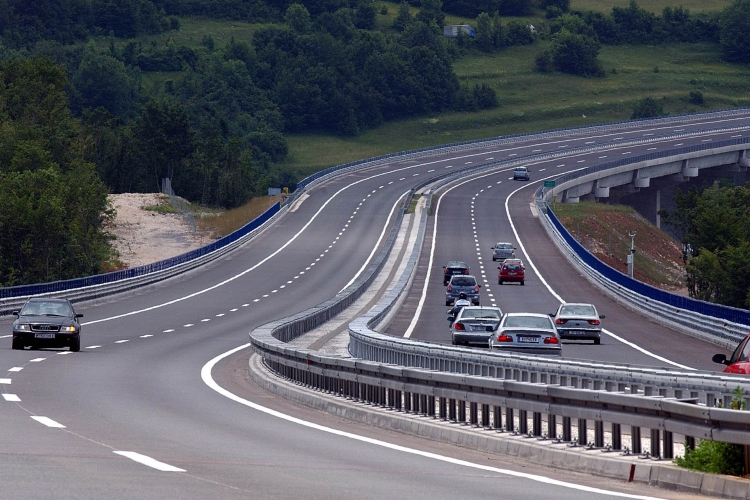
(726, 313)
(100, 279)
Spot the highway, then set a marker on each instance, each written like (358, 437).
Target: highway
(143, 411)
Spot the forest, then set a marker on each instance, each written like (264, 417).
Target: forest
(90, 106)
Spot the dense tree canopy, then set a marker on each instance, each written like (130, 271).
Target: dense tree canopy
(714, 224)
(53, 206)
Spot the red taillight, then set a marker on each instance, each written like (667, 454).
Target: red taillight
(466, 271)
(560, 321)
(459, 326)
(551, 340)
(593, 322)
(504, 338)
(449, 288)
(476, 288)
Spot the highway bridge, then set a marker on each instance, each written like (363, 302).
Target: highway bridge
(159, 402)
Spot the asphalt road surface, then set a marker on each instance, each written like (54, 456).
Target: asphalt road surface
(136, 414)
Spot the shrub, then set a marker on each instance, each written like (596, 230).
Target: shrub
(696, 97)
(647, 108)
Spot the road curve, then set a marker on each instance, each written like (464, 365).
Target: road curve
(131, 415)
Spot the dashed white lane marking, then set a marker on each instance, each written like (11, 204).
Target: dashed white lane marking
(36, 360)
(233, 310)
(11, 398)
(650, 149)
(256, 300)
(146, 336)
(64, 353)
(4, 336)
(93, 347)
(148, 461)
(220, 315)
(48, 422)
(120, 341)
(5, 381)
(209, 381)
(16, 369)
(170, 330)
(188, 325)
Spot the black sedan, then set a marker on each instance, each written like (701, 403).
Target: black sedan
(45, 322)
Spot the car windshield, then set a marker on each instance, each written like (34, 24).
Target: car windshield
(463, 281)
(46, 309)
(521, 169)
(514, 266)
(503, 246)
(480, 314)
(527, 322)
(577, 311)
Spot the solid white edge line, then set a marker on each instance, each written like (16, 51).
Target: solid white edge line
(558, 297)
(377, 244)
(209, 381)
(148, 461)
(423, 297)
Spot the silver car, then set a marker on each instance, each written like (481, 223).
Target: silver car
(474, 325)
(521, 173)
(502, 251)
(526, 333)
(578, 321)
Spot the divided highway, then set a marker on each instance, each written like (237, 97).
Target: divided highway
(132, 415)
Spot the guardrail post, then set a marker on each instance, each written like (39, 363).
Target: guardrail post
(616, 437)
(536, 428)
(599, 434)
(509, 420)
(551, 426)
(582, 432)
(655, 443)
(443, 403)
(423, 404)
(415, 402)
(567, 429)
(462, 411)
(452, 410)
(690, 442)
(497, 418)
(474, 414)
(431, 406)
(523, 422)
(407, 402)
(486, 416)
(635, 437)
(668, 445)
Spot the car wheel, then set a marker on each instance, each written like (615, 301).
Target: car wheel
(448, 303)
(521, 282)
(499, 282)
(597, 341)
(17, 344)
(75, 344)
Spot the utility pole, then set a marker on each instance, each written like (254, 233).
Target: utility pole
(631, 254)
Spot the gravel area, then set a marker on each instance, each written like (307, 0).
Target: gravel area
(145, 236)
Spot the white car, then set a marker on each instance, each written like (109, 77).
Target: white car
(526, 333)
(521, 173)
(578, 321)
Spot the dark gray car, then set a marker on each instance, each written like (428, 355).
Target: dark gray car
(44, 322)
(503, 250)
(462, 284)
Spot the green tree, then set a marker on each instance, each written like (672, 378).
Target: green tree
(484, 36)
(734, 31)
(298, 18)
(576, 54)
(403, 17)
(431, 10)
(102, 81)
(647, 107)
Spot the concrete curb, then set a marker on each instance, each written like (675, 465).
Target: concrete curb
(543, 452)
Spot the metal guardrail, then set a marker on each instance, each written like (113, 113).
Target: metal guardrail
(448, 381)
